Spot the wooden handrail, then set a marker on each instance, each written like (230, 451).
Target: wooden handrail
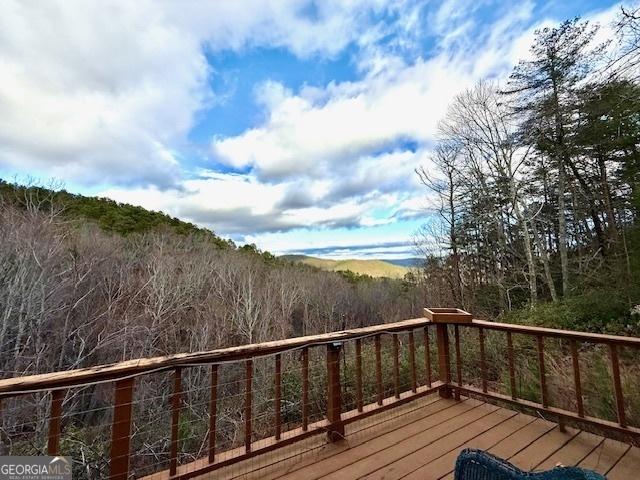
(114, 371)
(119, 370)
(572, 337)
(554, 332)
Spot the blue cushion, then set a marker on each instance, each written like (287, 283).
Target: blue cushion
(479, 465)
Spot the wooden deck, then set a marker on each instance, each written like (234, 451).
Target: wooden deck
(422, 439)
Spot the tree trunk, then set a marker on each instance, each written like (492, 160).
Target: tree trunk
(454, 244)
(593, 212)
(608, 202)
(561, 153)
(526, 239)
(562, 231)
(545, 263)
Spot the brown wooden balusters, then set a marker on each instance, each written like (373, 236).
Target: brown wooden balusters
(55, 422)
(334, 400)
(121, 430)
(444, 365)
(379, 369)
(359, 402)
(305, 389)
(512, 368)
(483, 360)
(427, 356)
(576, 377)
(278, 394)
(456, 332)
(213, 412)
(617, 385)
(412, 362)
(248, 400)
(541, 370)
(396, 365)
(175, 420)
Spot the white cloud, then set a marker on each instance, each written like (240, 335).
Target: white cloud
(331, 157)
(85, 92)
(309, 136)
(314, 131)
(105, 92)
(234, 205)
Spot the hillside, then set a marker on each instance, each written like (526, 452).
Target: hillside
(372, 268)
(109, 215)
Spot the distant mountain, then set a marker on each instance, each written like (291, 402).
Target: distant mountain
(373, 268)
(411, 262)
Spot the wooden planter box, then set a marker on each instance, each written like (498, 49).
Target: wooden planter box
(447, 315)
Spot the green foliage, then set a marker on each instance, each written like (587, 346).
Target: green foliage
(109, 215)
(594, 311)
(353, 277)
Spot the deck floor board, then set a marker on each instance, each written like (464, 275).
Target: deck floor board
(443, 466)
(605, 456)
(628, 467)
(423, 439)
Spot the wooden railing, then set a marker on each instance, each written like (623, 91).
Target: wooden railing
(125, 375)
(571, 340)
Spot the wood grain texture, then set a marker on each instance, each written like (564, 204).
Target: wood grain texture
(121, 430)
(359, 402)
(213, 412)
(512, 367)
(412, 362)
(55, 422)
(305, 389)
(577, 382)
(176, 400)
(617, 385)
(378, 348)
(248, 406)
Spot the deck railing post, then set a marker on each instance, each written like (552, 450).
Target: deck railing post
(396, 365)
(427, 356)
(176, 400)
(248, 408)
(55, 422)
(456, 331)
(617, 384)
(378, 346)
(412, 362)
(512, 366)
(483, 360)
(121, 430)
(305, 389)
(541, 368)
(444, 363)
(213, 412)
(334, 401)
(359, 401)
(576, 378)
(278, 396)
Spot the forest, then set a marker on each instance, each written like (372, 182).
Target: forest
(537, 185)
(76, 294)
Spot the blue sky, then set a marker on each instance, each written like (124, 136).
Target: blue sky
(295, 125)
